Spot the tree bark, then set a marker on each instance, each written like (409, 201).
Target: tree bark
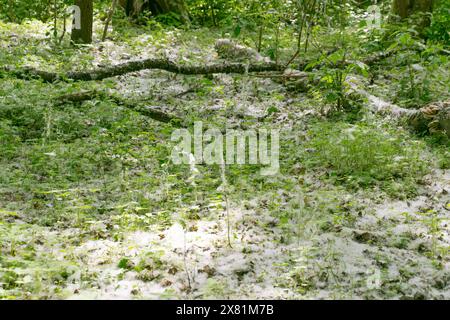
(133, 66)
(405, 8)
(84, 35)
(434, 117)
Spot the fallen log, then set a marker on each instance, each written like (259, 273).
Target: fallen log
(226, 49)
(133, 66)
(432, 118)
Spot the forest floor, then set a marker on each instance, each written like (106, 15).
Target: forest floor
(92, 207)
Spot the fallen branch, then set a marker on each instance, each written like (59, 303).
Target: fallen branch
(77, 97)
(109, 18)
(374, 59)
(224, 47)
(148, 111)
(133, 66)
(152, 112)
(147, 64)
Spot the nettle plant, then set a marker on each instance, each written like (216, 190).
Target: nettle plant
(333, 88)
(419, 65)
(334, 67)
(58, 9)
(259, 24)
(362, 155)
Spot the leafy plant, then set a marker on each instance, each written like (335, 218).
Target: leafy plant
(362, 155)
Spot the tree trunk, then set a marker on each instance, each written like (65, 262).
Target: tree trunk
(135, 7)
(84, 34)
(166, 6)
(405, 8)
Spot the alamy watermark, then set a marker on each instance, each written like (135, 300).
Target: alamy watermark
(76, 23)
(232, 147)
(373, 281)
(373, 19)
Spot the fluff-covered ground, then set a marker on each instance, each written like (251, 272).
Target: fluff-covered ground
(92, 207)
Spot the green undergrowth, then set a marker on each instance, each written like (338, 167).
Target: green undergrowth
(366, 155)
(97, 170)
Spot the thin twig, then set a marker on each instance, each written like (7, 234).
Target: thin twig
(108, 20)
(227, 203)
(185, 261)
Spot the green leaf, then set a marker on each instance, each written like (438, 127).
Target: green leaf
(311, 65)
(237, 31)
(123, 263)
(272, 110)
